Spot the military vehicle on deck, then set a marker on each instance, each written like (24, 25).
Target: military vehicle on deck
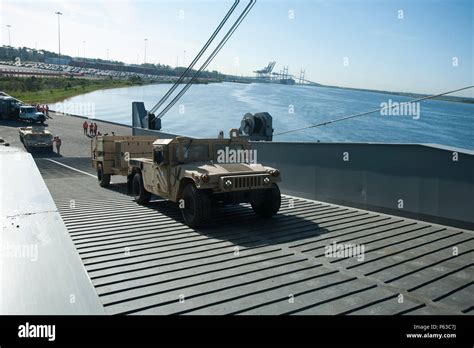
(36, 138)
(195, 173)
(30, 114)
(9, 107)
(110, 154)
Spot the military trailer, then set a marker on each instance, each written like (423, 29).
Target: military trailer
(110, 154)
(36, 138)
(195, 173)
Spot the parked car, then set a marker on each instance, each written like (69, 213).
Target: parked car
(30, 114)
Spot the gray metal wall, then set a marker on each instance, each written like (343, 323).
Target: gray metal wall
(432, 186)
(142, 131)
(375, 177)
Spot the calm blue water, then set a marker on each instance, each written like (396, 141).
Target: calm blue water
(210, 108)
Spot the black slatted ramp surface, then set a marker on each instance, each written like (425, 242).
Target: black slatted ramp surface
(145, 260)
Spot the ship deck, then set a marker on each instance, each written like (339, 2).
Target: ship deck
(145, 260)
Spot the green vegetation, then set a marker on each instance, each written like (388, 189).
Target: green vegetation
(34, 90)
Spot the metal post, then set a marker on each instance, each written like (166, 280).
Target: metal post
(9, 38)
(144, 59)
(59, 37)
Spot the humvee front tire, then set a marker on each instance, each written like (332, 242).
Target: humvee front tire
(267, 202)
(141, 195)
(104, 179)
(197, 206)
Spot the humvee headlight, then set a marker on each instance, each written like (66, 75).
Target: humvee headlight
(228, 183)
(275, 173)
(266, 180)
(205, 178)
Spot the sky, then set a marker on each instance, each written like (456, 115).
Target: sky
(421, 46)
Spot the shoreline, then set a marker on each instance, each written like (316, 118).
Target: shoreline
(52, 96)
(91, 118)
(448, 98)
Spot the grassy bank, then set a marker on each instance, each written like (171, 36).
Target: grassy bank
(34, 90)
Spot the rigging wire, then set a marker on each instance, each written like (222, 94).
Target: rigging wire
(371, 112)
(221, 44)
(198, 56)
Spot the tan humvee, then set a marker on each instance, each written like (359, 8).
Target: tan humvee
(36, 137)
(195, 173)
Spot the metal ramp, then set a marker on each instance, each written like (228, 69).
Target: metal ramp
(40, 269)
(144, 260)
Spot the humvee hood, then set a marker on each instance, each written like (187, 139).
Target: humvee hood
(225, 168)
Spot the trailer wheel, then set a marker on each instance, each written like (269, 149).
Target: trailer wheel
(197, 206)
(267, 202)
(141, 195)
(104, 179)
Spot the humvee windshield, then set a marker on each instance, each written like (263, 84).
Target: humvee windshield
(42, 137)
(202, 151)
(28, 110)
(195, 152)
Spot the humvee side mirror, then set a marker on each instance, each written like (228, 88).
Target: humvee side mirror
(158, 156)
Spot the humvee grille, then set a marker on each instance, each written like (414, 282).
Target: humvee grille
(248, 181)
(244, 182)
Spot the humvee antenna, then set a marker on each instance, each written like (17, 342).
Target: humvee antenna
(195, 60)
(372, 112)
(221, 44)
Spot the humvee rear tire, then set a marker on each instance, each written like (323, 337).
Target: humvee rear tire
(197, 206)
(104, 179)
(141, 195)
(267, 202)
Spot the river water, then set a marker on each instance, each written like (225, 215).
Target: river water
(206, 109)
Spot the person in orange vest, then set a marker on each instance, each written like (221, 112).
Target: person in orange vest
(91, 128)
(95, 129)
(47, 110)
(84, 127)
(57, 141)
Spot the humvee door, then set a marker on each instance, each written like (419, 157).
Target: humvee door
(161, 166)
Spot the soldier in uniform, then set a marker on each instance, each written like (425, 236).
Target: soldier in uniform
(57, 141)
